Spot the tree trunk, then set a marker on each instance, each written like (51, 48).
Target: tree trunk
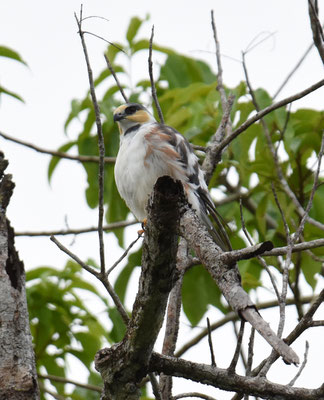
(18, 379)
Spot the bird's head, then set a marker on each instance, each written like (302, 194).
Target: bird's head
(130, 115)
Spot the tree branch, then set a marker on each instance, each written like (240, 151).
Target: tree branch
(111, 69)
(222, 379)
(250, 121)
(227, 277)
(317, 30)
(153, 89)
(124, 365)
(101, 144)
(63, 232)
(232, 316)
(60, 154)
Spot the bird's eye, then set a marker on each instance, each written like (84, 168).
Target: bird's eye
(131, 110)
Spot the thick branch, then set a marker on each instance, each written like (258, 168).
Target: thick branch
(125, 364)
(228, 279)
(222, 379)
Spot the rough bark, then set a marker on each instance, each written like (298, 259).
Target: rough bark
(125, 364)
(18, 379)
(224, 270)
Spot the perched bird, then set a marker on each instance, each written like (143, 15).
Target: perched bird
(149, 150)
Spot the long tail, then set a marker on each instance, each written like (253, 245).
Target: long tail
(217, 230)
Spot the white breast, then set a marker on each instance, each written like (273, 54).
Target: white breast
(135, 176)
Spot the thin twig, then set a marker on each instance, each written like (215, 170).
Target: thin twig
(231, 316)
(311, 197)
(192, 394)
(292, 72)
(123, 255)
(232, 366)
(150, 68)
(61, 379)
(303, 365)
(101, 145)
(99, 276)
(261, 260)
(113, 73)
(210, 343)
(250, 352)
(220, 85)
(250, 121)
(63, 232)
(60, 154)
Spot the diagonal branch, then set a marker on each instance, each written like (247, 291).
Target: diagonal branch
(250, 121)
(227, 277)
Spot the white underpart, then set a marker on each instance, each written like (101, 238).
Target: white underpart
(136, 173)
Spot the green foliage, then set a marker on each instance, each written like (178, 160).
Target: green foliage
(187, 93)
(6, 52)
(61, 323)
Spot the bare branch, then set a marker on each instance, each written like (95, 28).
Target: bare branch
(220, 85)
(113, 73)
(60, 154)
(232, 316)
(232, 366)
(99, 276)
(222, 379)
(128, 360)
(101, 144)
(281, 251)
(173, 315)
(210, 343)
(227, 277)
(115, 264)
(63, 232)
(317, 30)
(250, 121)
(303, 365)
(213, 155)
(150, 67)
(250, 352)
(292, 72)
(192, 394)
(61, 379)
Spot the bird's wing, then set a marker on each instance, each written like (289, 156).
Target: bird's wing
(183, 165)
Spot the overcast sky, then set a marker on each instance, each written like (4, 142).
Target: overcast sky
(45, 35)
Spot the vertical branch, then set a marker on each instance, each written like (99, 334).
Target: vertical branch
(231, 368)
(173, 315)
(210, 343)
(318, 35)
(150, 66)
(220, 86)
(101, 145)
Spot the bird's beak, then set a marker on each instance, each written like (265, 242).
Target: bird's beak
(119, 116)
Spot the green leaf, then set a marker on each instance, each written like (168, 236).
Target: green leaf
(9, 53)
(55, 160)
(133, 28)
(11, 94)
(199, 291)
(134, 260)
(118, 331)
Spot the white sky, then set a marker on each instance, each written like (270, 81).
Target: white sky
(45, 35)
